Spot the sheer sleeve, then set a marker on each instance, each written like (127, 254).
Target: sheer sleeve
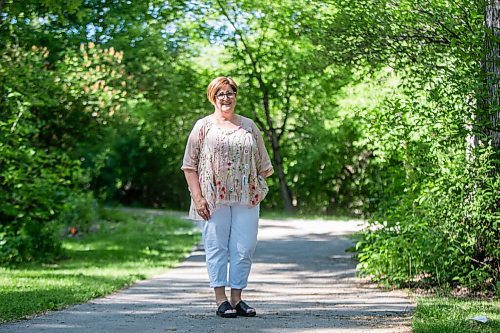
(193, 146)
(264, 165)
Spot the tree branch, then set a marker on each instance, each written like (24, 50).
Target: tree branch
(287, 110)
(243, 40)
(259, 122)
(465, 16)
(256, 72)
(438, 21)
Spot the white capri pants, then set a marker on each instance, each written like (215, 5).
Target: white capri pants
(230, 232)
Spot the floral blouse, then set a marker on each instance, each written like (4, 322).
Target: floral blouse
(229, 163)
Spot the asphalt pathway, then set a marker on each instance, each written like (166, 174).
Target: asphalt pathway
(302, 280)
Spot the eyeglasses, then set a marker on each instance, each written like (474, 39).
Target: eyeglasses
(229, 95)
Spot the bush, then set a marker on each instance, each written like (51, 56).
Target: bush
(45, 115)
(34, 186)
(443, 234)
(79, 214)
(436, 212)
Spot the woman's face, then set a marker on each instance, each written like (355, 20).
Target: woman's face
(225, 99)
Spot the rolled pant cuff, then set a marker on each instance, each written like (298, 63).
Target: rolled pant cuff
(238, 286)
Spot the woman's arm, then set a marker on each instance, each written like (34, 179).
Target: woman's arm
(200, 202)
(190, 165)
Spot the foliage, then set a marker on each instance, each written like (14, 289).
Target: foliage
(45, 115)
(34, 181)
(79, 214)
(137, 161)
(334, 164)
(435, 202)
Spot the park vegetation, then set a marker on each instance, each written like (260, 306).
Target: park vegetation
(382, 109)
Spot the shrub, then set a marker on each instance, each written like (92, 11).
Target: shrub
(79, 214)
(45, 115)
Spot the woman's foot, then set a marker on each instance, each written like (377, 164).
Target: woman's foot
(242, 309)
(225, 310)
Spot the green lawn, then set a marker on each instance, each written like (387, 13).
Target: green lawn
(438, 314)
(125, 248)
(281, 215)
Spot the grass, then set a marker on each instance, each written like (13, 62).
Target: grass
(125, 248)
(443, 314)
(281, 215)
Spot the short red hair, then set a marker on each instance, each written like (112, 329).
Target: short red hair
(217, 84)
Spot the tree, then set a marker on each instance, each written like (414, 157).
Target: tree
(491, 72)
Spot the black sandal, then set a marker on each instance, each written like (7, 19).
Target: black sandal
(242, 309)
(223, 307)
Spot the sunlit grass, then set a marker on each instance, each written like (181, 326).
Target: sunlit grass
(125, 248)
(451, 315)
(281, 215)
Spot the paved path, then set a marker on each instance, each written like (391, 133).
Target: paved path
(302, 281)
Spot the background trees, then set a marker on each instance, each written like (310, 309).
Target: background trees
(385, 109)
(438, 203)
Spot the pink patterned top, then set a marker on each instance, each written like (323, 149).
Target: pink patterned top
(229, 163)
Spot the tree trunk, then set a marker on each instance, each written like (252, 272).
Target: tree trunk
(286, 194)
(491, 70)
(487, 121)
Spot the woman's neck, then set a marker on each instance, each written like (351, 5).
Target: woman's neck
(220, 116)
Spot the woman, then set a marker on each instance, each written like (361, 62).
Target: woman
(225, 165)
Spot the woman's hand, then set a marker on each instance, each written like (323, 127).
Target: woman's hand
(202, 207)
(200, 204)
